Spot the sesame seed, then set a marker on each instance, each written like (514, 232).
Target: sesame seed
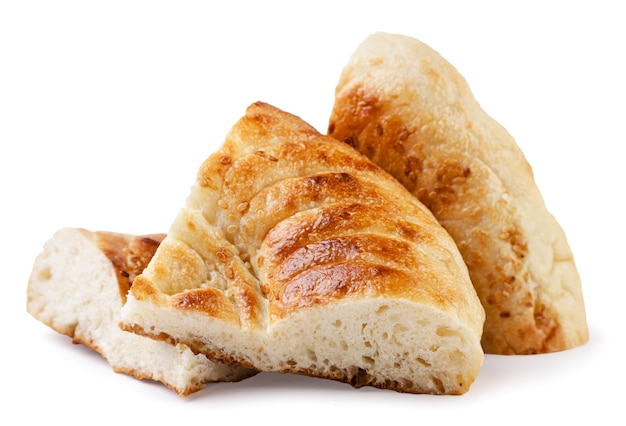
(221, 256)
(230, 274)
(242, 207)
(248, 226)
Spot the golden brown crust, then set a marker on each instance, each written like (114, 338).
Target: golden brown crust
(129, 254)
(78, 286)
(283, 220)
(318, 189)
(410, 111)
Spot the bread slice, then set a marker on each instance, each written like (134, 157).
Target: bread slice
(410, 111)
(295, 253)
(77, 287)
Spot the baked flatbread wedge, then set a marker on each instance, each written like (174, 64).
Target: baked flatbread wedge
(77, 287)
(296, 254)
(410, 111)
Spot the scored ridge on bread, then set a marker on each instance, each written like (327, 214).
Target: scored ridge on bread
(77, 287)
(294, 253)
(405, 107)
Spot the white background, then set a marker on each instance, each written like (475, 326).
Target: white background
(108, 108)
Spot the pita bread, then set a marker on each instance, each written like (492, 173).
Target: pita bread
(405, 107)
(296, 254)
(78, 286)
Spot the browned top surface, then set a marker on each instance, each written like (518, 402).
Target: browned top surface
(283, 218)
(411, 112)
(129, 254)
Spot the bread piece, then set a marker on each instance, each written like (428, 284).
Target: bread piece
(295, 253)
(405, 107)
(78, 286)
